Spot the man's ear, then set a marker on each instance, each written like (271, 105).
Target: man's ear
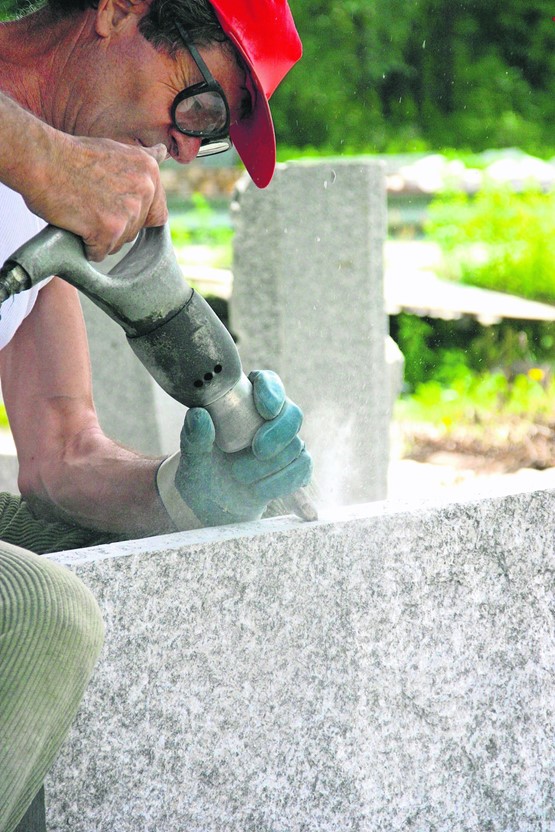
(113, 15)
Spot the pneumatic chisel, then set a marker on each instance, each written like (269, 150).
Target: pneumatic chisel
(169, 326)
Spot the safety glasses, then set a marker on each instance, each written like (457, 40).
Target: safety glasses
(201, 110)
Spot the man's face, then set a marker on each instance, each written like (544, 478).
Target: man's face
(130, 99)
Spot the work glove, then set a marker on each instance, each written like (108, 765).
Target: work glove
(203, 486)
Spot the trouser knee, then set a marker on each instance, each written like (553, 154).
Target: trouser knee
(51, 617)
(51, 633)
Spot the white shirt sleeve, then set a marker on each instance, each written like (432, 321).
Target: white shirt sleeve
(17, 225)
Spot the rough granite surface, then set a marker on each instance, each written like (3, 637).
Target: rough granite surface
(388, 668)
(308, 302)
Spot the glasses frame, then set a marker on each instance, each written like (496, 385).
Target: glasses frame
(216, 141)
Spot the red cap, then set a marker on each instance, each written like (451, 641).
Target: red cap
(264, 33)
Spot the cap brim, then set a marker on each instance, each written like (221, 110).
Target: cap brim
(255, 141)
(264, 34)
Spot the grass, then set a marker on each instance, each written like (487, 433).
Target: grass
(4, 423)
(498, 239)
(202, 236)
(511, 422)
(472, 398)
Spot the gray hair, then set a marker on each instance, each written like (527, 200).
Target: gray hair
(197, 17)
(158, 25)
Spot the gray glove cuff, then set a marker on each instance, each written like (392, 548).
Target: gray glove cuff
(178, 510)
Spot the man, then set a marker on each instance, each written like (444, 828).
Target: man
(93, 97)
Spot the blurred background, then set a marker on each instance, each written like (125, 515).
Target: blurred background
(458, 100)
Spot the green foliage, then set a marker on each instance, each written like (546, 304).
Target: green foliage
(445, 351)
(413, 336)
(400, 75)
(12, 9)
(332, 97)
(476, 398)
(498, 239)
(201, 224)
(8, 10)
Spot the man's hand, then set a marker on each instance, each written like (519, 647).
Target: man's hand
(102, 190)
(219, 488)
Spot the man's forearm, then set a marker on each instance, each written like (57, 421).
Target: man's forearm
(67, 465)
(100, 485)
(24, 141)
(102, 190)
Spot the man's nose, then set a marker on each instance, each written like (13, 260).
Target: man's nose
(184, 148)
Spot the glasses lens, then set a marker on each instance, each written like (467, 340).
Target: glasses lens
(211, 148)
(203, 114)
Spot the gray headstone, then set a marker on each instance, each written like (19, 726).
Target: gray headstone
(9, 470)
(308, 302)
(386, 668)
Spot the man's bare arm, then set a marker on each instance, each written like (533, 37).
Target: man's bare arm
(68, 467)
(102, 190)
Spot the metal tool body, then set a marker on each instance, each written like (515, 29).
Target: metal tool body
(170, 327)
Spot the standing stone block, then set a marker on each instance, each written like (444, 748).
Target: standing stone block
(307, 302)
(387, 668)
(9, 470)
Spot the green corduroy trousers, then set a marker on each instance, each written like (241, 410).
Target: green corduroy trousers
(51, 634)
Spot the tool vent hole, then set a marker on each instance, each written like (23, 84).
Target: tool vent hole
(208, 376)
